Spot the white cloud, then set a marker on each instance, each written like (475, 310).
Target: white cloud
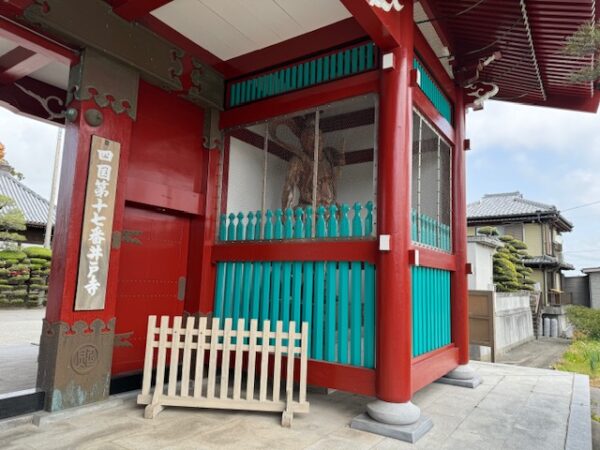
(530, 128)
(550, 155)
(30, 147)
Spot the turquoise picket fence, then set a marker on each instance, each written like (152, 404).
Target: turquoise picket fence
(428, 231)
(336, 298)
(430, 309)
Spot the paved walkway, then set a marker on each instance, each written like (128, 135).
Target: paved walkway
(19, 344)
(514, 408)
(542, 353)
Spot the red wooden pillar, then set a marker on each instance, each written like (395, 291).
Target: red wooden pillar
(459, 288)
(209, 232)
(76, 346)
(394, 318)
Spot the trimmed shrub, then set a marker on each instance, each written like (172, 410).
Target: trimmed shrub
(510, 274)
(38, 253)
(12, 256)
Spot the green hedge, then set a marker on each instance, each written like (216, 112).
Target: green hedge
(38, 252)
(585, 320)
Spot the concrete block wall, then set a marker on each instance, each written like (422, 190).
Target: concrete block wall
(579, 288)
(594, 290)
(513, 324)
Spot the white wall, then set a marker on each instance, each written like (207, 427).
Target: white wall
(480, 257)
(246, 164)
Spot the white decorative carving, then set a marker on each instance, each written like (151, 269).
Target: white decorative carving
(480, 93)
(44, 102)
(387, 5)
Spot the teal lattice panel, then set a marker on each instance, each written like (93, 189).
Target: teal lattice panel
(433, 92)
(336, 298)
(430, 309)
(308, 73)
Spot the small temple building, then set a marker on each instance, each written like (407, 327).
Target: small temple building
(284, 160)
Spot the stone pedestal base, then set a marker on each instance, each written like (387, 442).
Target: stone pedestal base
(407, 433)
(463, 376)
(74, 363)
(401, 421)
(394, 413)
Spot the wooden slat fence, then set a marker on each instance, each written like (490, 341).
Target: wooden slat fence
(192, 352)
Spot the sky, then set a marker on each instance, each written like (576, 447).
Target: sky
(549, 155)
(30, 147)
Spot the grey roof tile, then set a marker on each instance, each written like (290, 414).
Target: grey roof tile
(506, 204)
(33, 205)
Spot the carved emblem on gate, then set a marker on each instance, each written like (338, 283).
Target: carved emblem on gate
(84, 358)
(387, 5)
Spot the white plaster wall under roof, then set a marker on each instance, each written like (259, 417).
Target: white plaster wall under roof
(432, 37)
(235, 27)
(55, 74)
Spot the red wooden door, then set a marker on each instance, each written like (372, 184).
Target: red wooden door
(154, 249)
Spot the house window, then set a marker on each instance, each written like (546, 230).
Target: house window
(303, 176)
(431, 186)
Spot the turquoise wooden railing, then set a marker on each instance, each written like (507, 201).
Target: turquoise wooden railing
(433, 92)
(430, 309)
(311, 72)
(336, 298)
(428, 231)
(265, 226)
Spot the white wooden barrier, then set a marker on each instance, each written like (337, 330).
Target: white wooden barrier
(199, 390)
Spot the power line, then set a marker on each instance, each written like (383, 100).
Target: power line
(451, 16)
(581, 206)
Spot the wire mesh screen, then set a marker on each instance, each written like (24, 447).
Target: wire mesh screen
(302, 170)
(432, 186)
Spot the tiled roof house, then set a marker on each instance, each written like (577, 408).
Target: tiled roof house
(539, 225)
(34, 206)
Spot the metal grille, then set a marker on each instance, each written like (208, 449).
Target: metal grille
(291, 167)
(432, 186)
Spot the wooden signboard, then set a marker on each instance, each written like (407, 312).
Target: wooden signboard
(481, 320)
(97, 224)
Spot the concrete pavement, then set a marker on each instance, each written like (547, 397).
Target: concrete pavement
(19, 344)
(514, 408)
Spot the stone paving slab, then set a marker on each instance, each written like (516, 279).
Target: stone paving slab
(513, 408)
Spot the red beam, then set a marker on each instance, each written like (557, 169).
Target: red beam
(163, 196)
(19, 63)
(385, 28)
(135, 9)
(432, 366)
(337, 376)
(306, 98)
(319, 250)
(432, 258)
(424, 105)
(13, 97)
(36, 42)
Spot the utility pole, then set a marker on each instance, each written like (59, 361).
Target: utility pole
(53, 189)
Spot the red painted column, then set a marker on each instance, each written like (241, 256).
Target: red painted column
(459, 288)
(394, 318)
(208, 269)
(69, 215)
